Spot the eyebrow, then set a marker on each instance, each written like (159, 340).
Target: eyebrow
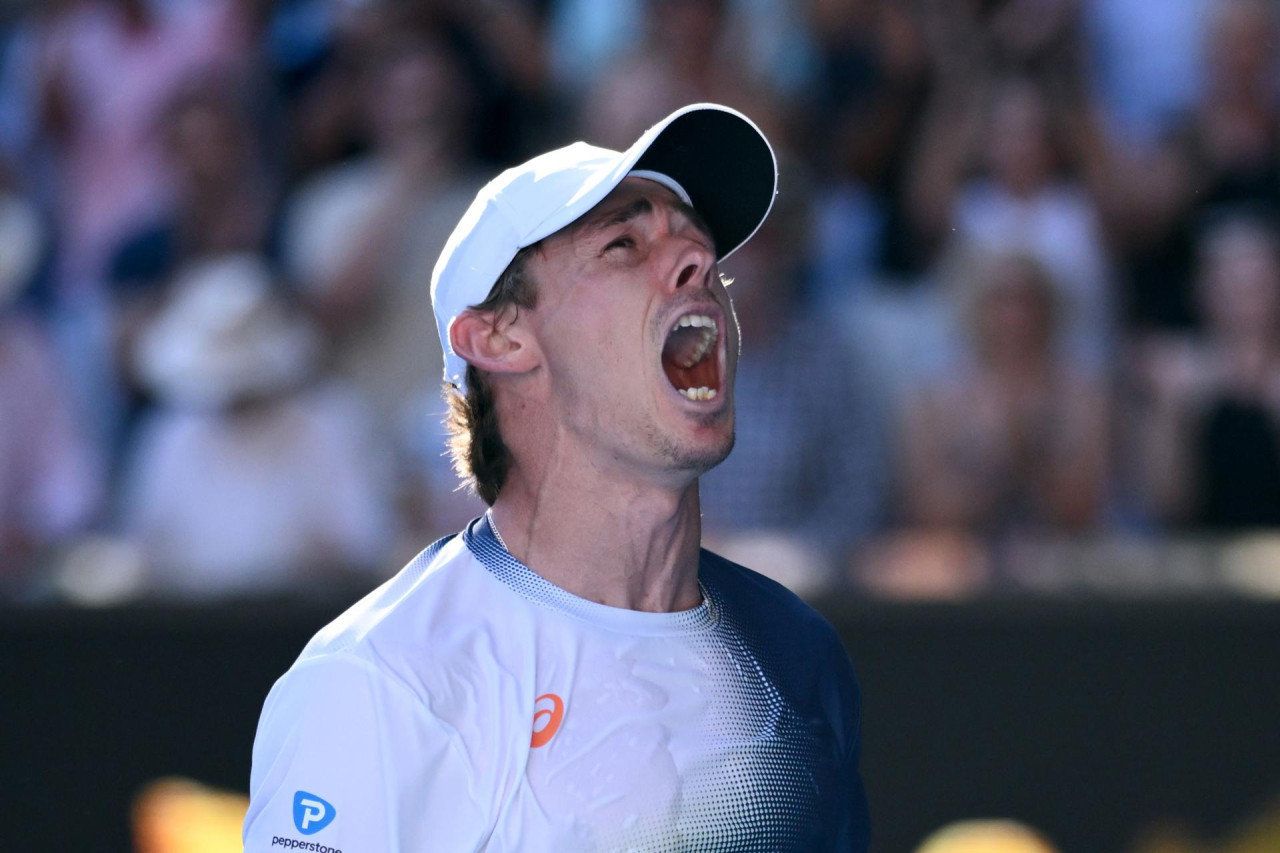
(619, 216)
(638, 207)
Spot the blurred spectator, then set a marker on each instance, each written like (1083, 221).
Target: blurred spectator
(945, 166)
(1146, 62)
(873, 82)
(88, 84)
(22, 48)
(924, 564)
(1233, 136)
(362, 238)
(496, 48)
(319, 54)
(1016, 441)
(503, 44)
(1023, 200)
(806, 469)
(1211, 429)
(252, 474)
(49, 481)
(970, 44)
(771, 36)
(684, 55)
(1224, 150)
(107, 70)
(1088, 145)
(222, 200)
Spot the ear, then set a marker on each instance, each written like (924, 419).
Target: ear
(495, 342)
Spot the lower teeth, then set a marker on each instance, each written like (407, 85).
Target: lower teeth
(702, 393)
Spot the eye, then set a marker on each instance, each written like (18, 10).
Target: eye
(623, 242)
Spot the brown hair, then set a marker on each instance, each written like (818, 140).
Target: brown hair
(480, 456)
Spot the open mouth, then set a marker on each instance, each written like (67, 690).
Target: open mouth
(690, 356)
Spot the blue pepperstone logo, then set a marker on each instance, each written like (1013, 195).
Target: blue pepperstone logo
(311, 813)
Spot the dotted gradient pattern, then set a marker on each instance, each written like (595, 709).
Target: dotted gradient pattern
(480, 539)
(755, 779)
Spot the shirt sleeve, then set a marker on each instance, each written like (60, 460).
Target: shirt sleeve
(348, 758)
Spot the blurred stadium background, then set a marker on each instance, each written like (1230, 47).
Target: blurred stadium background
(1009, 405)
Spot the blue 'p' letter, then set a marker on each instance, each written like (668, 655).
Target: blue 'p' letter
(311, 813)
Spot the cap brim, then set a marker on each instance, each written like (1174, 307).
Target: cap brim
(722, 161)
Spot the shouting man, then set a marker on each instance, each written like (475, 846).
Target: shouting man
(572, 672)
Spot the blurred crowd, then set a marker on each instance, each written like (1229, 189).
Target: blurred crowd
(1021, 283)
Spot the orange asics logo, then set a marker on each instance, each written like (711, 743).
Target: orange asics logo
(548, 717)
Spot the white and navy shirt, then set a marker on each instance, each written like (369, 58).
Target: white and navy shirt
(470, 704)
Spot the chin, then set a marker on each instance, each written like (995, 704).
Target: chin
(700, 456)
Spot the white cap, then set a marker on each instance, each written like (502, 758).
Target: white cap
(713, 157)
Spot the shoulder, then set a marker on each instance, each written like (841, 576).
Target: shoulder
(766, 609)
(411, 687)
(381, 637)
(792, 643)
(376, 741)
(444, 628)
(440, 593)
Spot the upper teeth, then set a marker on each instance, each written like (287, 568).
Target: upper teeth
(696, 320)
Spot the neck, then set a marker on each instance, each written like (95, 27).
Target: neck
(630, 546)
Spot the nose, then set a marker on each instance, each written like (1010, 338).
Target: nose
(694, 266)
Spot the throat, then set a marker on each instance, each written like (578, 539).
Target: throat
(640, 551)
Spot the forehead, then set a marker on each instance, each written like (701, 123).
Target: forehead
(632, 199)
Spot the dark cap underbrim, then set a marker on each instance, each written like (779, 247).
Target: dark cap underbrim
(725, 165)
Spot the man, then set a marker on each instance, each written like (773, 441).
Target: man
(571, 672)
